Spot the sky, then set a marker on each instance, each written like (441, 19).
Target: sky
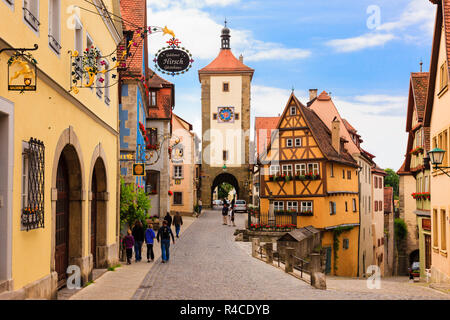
(362, 52)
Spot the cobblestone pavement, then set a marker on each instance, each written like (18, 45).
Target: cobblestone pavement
(208, 264)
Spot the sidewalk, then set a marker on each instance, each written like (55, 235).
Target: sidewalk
(122, 283)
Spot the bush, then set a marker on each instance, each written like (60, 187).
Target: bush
(400, 229)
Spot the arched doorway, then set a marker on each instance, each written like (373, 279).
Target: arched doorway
(68, 217)
(414, 256)
(98, 214)
(225, 178)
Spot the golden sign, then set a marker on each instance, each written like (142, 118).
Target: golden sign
(138, 169)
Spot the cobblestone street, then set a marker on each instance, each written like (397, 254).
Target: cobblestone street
(208, 264)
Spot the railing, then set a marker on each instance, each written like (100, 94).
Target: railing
(31, 19)
(54, 43)
(302, 266)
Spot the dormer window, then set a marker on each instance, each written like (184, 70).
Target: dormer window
(152, 97)
(293, 111)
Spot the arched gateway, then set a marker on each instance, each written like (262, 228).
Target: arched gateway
(225, 122)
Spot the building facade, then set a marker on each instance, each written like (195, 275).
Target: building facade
(182, 167)
(226, 84)
(159, 133)
(309, 178)
(60, 150)
(437, 117)
(378, 223)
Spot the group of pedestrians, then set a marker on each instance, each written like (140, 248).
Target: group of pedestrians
(137, 235)
(228, 213)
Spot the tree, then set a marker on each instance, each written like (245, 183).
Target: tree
(134, 204)
(392, 180)
(224, 189)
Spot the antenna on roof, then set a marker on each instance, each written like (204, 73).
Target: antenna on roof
(293, 89)
(225, 21)
(421, 63)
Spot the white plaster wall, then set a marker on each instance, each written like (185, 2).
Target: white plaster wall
(226, 136)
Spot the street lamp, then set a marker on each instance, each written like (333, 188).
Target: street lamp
(436, 157)
(224, 167)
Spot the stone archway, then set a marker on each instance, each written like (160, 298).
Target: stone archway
(68, 157)
(225, 177)
(98, 209)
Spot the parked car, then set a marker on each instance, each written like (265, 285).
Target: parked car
(240, 206)
(414, 271)
(217, 204)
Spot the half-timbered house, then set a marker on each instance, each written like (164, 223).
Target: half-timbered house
(309, 178)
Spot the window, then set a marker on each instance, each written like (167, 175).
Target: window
(292, 206)
(331, 170)
(287, 169)
(214, 116)
(332, 207)
(376, 182)
(300, 169)
(313, 168)
(298, 142)
(153, 136)
(343, 174)
(293, 111)
(274, 170)
(376, 206)
(278, 205)
(306, 206)
(178, 172)
(151, 186)
(349, 174)
(346, 206)
(427, 184)
(79, 47)
(32, 194)
(106, 83)
(444, 75)
(10, 3)
(236, 116)
(177, 198)
(54, 25)
(345, 244)
(152, 97)
(435, 229)
(289, 143)
(225, 155)
(354, 205)
(31, 13)
(369, 202)
(226, 87)
(89, 44)
(443, 231)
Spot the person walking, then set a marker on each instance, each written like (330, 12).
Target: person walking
(128, 242)
(225, 213)
(138, 234)
(200, 206)
(177, 222)
(149, 236)
(168, 218)
(231, 213)
(164, 234)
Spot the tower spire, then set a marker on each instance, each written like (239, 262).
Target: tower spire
(225, 36)
(421, 63)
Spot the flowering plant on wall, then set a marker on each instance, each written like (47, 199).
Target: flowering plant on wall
(170, 193)
(416, 150)
(421, 195)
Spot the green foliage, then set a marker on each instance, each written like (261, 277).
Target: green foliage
(134, 204)
(392, 180)
(400, 229)
(224, 189)
(336, 233)
(113, 268)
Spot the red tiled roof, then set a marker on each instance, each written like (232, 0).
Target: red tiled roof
(226, 62)
(323, 96)
(419, 81)
(264, 126)
(155, 81)
(165, 98)
(349, 126)
(388, 199)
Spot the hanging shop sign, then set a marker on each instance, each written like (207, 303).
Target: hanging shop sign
(173, 59)
(138, 169)
(21, 69)
(426, 224)
(177, 181)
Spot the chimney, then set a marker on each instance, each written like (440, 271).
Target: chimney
(312, 94)
(335, 135)
(241, 58)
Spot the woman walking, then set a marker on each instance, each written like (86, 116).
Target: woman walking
(225, 213)
(128, 242)
(149, 236)
(164, 234)
(177, 222)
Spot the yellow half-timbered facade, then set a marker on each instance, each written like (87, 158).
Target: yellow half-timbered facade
(309, 178)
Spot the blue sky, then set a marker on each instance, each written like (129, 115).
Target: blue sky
(334, 45)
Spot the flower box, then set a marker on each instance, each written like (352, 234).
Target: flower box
(421, 195)
(416, 150)
(306, 213)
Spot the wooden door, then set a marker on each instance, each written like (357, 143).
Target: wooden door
(427, 251)
(62, 222)
(94, 218)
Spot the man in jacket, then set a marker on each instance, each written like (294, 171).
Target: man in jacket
(177, 222)
(138, 234)
(168, 218)
(164, 234)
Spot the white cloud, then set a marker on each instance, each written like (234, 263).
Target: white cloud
(417, 17)
(367, 40)
(200, 33)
